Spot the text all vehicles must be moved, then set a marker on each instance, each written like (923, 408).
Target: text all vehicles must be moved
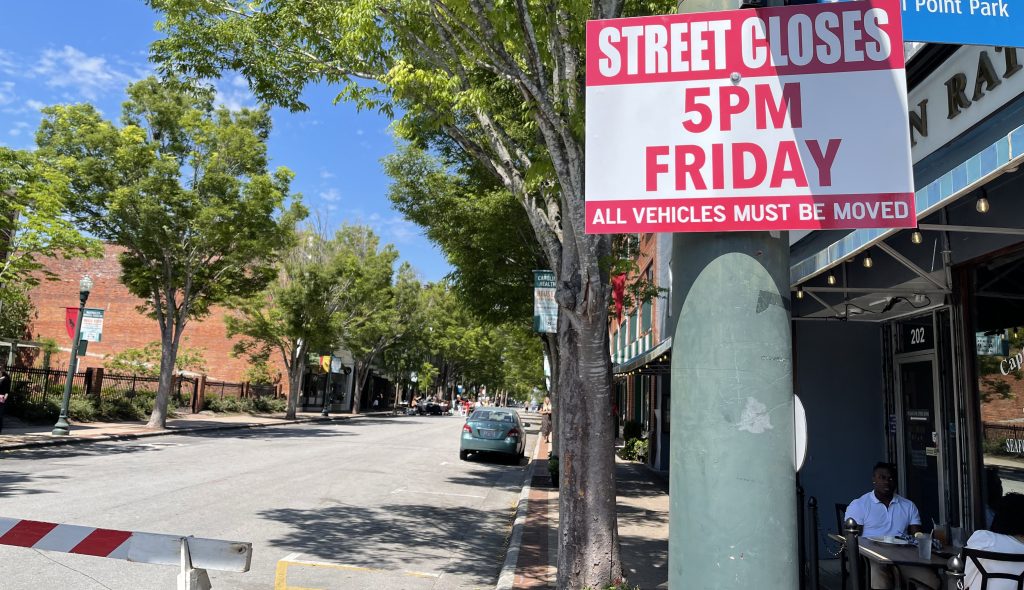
(701, 216)
(802, 103)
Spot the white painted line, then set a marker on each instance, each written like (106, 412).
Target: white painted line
(63, 538)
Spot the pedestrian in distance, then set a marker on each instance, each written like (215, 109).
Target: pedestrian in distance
(545, 419)
(5, 392)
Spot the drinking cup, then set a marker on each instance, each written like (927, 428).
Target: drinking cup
(924, 546)
(957, 536)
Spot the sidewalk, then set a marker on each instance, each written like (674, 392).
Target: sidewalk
(18, 435)
(642, 510)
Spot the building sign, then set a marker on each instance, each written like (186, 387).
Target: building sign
(991, 344)
(770, 119)
(545, 308)
(92, 323)
(964, 22)
(968, 87)
(914, 337)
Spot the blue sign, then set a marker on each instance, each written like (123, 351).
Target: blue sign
(965, 22)
(961, 22)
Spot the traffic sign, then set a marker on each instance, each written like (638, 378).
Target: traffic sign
(768, 119)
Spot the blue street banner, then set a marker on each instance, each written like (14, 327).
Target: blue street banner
(545, 308)
(997, 23)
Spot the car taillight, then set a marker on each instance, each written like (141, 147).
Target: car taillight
(513, 432)
(467, 428)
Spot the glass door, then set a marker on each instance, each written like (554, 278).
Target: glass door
(921, 460)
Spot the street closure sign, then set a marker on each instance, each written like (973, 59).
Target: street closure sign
(771, 119)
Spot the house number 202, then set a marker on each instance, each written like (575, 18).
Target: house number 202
(917, 335)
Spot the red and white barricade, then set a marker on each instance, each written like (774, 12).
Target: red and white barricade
(194, 555)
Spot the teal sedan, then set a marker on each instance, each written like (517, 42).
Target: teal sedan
(493, 430)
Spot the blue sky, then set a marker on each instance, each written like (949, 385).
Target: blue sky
(69, 51)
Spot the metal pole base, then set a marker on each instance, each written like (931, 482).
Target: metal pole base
(61, 428)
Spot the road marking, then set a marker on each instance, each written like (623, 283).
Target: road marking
(281, 573)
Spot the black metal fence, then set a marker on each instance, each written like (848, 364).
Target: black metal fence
(1004, 439)
(224, 389)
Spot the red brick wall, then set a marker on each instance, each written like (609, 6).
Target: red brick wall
(999, 409)
(123, 325)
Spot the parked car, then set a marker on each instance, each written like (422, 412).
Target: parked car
(493, 430)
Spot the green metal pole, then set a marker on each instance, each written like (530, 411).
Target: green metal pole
(733, 521)
(62, 427)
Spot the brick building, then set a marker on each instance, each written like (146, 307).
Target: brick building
(123, 325)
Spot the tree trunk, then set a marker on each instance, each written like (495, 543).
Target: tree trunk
(551, 345)
(296, 370)
(359, 374)
(168, 354)
(588, 553)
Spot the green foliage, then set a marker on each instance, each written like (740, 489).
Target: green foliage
(236, 405)
(145, 361)
(631, 429)
(185, 189)
(16, 310)
(635, 449)
(259, 373)
(553, 469)
(34, 224)
(36, 410)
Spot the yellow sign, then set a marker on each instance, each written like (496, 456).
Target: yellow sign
(325, 363)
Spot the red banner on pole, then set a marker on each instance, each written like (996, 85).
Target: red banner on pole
(71, 320)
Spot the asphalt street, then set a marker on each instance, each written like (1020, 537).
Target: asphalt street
(372, 502)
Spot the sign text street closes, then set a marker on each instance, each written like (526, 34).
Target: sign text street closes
(773, 119)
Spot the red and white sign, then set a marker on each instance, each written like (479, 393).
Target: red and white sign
(772, 119)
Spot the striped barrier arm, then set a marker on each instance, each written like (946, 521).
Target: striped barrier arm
(212, 554)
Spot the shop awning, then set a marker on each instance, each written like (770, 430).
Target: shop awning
(644, 357)
(1005, 155)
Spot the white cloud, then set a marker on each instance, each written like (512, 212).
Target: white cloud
(7, 63)
(240, 82)
(326, 174)
(360, 132)
(69, 67)
(34, 105)
(330, 195)
(18, 128)
(7, 95)
(233, 97)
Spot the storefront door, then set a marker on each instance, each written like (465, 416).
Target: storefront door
(919, 437)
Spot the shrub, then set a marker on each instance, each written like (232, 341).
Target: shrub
(631, 429)
(553, 470)
(34, 410)
(635, 449)
(224, 404)
(81, 409)
(268, 405)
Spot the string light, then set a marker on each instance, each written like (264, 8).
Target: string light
(831, 279)
(916, 237)
(982, 204)
(799, 292)
(868, 263)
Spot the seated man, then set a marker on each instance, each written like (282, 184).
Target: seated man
(883, 512)
(1006, 536)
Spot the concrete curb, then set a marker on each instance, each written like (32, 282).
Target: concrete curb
(508, 571)
(59, 442)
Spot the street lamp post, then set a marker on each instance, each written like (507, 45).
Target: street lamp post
(62, 428)
(327, 385)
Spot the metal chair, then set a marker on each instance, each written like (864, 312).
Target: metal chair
(844, 571)
(958, 563)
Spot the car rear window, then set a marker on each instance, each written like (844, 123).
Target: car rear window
(492, 416)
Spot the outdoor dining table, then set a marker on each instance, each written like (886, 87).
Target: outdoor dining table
(901, 556)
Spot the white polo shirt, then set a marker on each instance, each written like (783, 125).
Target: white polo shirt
(879, 520)
(989, 541)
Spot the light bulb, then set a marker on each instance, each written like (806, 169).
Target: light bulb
(916, 237)
(831, 279)
(868, 263)
(982, 205)
(799, 292)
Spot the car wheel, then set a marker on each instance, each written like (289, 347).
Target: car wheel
(464, 455)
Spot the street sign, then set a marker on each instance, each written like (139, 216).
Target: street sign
(770, 119)
(964, 22)
(92, 323)
(545, 308)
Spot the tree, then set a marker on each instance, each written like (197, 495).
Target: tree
(33, 224)
(145, 360)
(384, 329)
(502, 83)
(15, 313)
(184, 188)
(323, 288)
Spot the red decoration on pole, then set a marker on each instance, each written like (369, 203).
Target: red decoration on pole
(618, 293)
(71, 320)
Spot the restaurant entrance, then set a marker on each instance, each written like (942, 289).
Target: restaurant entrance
(920, 387)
